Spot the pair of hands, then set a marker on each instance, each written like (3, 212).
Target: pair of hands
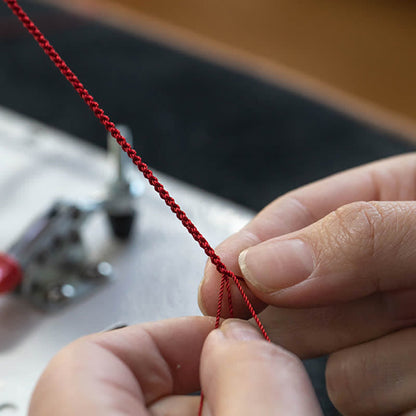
(332, 276)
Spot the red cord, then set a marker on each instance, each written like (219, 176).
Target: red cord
(148, 174)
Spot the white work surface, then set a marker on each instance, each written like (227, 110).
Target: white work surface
(157, 271)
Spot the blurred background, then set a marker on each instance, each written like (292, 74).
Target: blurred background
(246, 99)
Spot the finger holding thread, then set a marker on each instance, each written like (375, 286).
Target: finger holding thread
(390, 179)
(242, 374)
(361, 249)
(360, 263)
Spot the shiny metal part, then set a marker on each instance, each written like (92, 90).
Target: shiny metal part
(51, 250)
(158, 269)
(126, 186)
(60, 293)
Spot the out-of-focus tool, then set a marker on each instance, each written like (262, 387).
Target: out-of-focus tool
(48, 265)
(157, 269)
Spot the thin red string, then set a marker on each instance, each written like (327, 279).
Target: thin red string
(230, 300)
(147, 173)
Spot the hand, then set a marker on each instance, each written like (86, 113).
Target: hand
(340, 276)
(148, 370)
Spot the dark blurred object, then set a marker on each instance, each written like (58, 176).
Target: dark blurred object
(362, 50)
(223, 131)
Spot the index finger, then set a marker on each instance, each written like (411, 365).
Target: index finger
(389, 179)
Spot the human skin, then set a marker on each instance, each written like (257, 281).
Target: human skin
(333, 267)
(148, 369)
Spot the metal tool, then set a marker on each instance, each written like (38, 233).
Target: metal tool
(48, 265)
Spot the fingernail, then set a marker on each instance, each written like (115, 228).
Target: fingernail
(277, 264)
(239, 330)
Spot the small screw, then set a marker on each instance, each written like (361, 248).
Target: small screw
(104, 269)
(60, 293)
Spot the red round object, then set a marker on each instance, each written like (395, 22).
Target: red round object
(10, 273)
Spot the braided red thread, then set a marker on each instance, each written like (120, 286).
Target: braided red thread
(230, 300)
(220, 298)
(147, 173)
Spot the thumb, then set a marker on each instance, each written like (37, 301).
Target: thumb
(244, 375)
(359, 249)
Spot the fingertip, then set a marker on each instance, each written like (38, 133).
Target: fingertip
(208, 291)
(231, 331)
(233, 354)
(239, 330)
(200, 298)
(209, 286)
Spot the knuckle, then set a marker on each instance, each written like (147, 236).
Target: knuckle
(357, 226)
(368, 229)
